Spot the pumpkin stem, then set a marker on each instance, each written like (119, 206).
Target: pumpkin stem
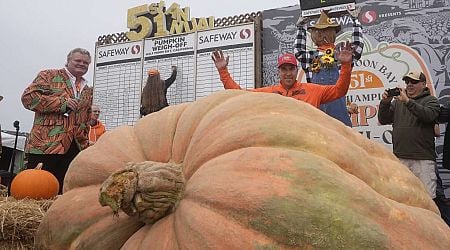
(150, 190)
(39, 166)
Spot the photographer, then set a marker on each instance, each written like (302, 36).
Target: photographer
(413, 114)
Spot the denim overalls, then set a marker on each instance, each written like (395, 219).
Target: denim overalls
(336, 108)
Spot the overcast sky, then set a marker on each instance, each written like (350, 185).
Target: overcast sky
(37, 35)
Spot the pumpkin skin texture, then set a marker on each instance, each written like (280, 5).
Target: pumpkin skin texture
(260, 171)
(34, 184)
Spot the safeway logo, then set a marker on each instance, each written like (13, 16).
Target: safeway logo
(135, 49)
(245, 33)
(369, 17)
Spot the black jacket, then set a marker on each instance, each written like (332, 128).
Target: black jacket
(412, 125)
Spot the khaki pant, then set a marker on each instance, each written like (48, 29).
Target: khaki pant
(425, 171)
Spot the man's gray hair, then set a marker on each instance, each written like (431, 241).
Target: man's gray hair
(78, 50)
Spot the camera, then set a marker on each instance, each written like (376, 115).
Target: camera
(393, 92)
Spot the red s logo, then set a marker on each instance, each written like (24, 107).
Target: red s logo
(135, 49)
(245, 33)
(369, 17)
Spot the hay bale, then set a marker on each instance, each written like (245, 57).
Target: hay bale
(7, 245)
(19, 221)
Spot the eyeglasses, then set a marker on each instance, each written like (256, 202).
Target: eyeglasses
(408, 81)
(95, 111)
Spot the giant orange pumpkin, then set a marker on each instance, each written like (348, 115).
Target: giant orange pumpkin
(241, 170)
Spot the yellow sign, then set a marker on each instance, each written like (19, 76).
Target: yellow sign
(155, 20)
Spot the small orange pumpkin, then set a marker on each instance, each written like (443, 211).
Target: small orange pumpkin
(35, 184)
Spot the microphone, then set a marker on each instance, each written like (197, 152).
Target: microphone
(16, 124)
(67, 112)
(69, 109)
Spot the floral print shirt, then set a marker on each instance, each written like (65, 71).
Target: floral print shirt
(52, 131)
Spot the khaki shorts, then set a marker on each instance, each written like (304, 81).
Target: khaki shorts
(425, 171)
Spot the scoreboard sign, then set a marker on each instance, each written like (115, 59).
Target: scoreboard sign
(120, 72)
(313, 7)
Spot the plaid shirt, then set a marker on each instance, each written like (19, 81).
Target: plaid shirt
(306, 57)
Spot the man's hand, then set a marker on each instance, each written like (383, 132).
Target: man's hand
(219, 59)
(72, 104)
(344, 52)
(402, 97)
(355, 13)
(353, 108)
(302, 20)
(385, 98)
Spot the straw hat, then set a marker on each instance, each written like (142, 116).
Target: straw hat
(325, 22)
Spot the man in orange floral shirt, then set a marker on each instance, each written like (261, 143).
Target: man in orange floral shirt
(61, 101)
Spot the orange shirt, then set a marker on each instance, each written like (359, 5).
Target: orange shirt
(96, 131)
(313, 94)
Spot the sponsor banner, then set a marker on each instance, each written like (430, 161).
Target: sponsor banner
(226, 37)
(331, 9)
(118, 52)
(313, 7)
